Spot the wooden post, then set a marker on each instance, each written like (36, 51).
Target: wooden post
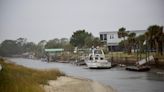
(120, 58)
(0, 67)
(126, 60)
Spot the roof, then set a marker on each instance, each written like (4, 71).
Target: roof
(54, 50)
(105, 32)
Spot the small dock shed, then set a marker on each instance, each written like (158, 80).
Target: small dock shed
(52, 53)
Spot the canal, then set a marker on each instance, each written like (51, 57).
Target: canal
(118, 78)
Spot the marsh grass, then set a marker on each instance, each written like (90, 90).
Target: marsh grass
(15, 78)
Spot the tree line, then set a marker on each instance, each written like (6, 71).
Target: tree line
(79, 38)
(151, 40)
(154, 39)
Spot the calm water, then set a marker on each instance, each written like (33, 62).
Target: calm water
(118, 78)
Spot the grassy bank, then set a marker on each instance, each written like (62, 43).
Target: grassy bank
(15, 78)
(125, 58)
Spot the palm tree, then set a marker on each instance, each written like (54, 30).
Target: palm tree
(161, 41)
(122, 33)
(140, 45)
(140, 40)
(155, 37)
(131, 41)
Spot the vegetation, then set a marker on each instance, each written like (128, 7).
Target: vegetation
(140, 43)
(151, 40)
(155, 38)
(14, 78)
(122, 33)
(81, 39)
(15, 47)
(21, 46)
(9, 47)
(131, 42)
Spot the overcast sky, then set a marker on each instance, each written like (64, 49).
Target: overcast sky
(47, 19)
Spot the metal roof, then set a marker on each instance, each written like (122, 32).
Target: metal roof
(106, 32)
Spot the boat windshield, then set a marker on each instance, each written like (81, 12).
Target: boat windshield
(97, 52)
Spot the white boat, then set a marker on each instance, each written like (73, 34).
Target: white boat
(96, 59)
(44, 59)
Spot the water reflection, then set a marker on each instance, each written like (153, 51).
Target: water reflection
(156, 76)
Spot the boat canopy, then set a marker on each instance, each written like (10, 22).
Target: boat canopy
(54, 50)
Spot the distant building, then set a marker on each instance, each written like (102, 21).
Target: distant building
(51, 54)
(112, 40)
(30, 55)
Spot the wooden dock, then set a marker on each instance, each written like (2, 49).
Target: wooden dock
(138, 68)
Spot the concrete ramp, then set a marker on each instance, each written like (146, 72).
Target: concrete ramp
(150, 58)
(143, 61)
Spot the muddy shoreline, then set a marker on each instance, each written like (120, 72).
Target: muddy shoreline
(74, 84)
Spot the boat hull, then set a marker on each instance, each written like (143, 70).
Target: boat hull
(94, 65)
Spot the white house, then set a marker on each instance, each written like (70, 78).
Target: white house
(112, 40)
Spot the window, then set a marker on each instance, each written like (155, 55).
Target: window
(112, 36)
(103, 36)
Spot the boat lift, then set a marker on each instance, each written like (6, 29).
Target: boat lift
(140, 65)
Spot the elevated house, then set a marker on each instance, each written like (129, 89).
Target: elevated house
(111, 38)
